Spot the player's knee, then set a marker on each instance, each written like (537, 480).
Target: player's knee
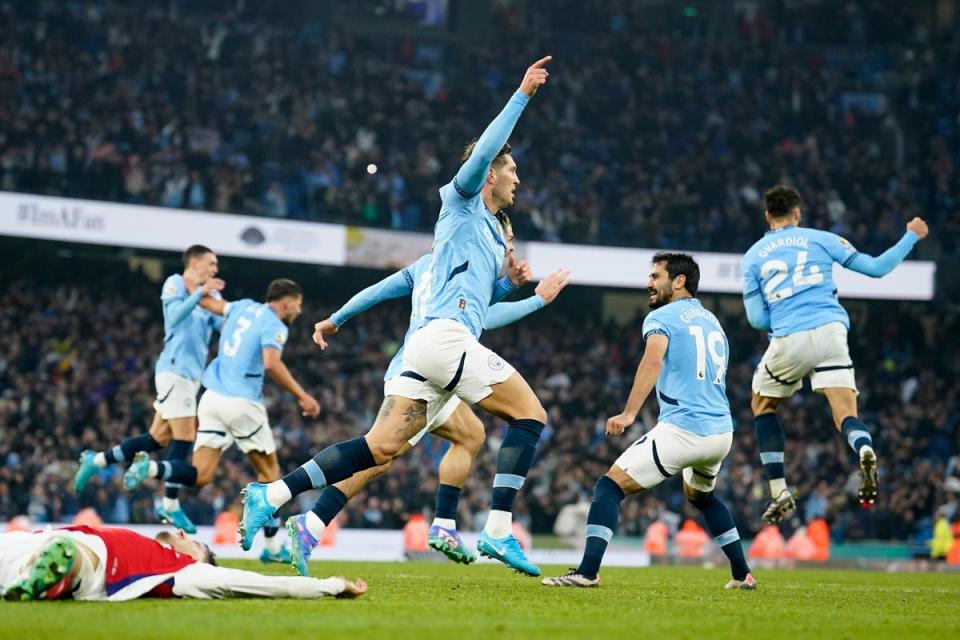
(472, 437)
(161, 436)
(384, 451)
(697, 498)
(536, 412)
(760, 404)
(204, 476)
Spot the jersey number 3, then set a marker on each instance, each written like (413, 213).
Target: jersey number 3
(710, 344)
(777, 271)
(233, 345)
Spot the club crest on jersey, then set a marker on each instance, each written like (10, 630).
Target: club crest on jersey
(280, 337)
(462, 304)
(495, 362)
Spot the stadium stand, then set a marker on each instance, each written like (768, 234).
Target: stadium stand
(663, 131)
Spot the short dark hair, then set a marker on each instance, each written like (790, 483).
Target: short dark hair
(781, 200)
(499, 159)
(194, 251)
(282, 288)
(680, 264)
(504, 220)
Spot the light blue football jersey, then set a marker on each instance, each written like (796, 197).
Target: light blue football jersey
(185, 344)
(692, 386)
(418, 276)
(238, 370)
(792, 268)
(468, 251)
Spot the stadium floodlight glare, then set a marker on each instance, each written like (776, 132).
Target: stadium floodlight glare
(371, 168)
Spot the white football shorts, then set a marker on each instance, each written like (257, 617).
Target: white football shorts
(444, 358)
(226, 420)
(438, 410)
(821, 353)
(666, 450)
(176, 396)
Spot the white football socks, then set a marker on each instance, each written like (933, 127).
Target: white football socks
(100, 459)
(499, 524)
(171, 504)
(315, 525)
(278, 494)
(446, 523)
(777, 486)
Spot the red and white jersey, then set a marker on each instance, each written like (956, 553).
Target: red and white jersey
(137, 566)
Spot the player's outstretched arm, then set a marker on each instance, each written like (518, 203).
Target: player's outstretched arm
(879, 266)
(178, 310)
(473, 172)
(504, 313)
(643, 383)
(396, 285)
(274, 365)
(205, 581)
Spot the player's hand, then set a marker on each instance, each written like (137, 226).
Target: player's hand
(919, 227)
(321, 329)
(309, 406)
(213, 284)
(619, 423)
(551, 286)
(353, 589)
(535, 77)
(519, 271)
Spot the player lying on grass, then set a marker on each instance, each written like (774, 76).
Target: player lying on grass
(453, 421)
(86, 563)
(788, 290)
(444, 358)
(686, 357)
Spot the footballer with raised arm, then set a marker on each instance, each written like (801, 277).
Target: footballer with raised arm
(788, 291)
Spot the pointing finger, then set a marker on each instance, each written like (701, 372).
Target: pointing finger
(539, 64)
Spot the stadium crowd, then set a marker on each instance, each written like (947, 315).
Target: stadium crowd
(652, 133)
(77, 347)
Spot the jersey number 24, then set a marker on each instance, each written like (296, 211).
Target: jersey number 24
(777, 271)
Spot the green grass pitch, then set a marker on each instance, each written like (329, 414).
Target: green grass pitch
(441, 600)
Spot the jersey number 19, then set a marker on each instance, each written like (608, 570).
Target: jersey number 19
(710, 344)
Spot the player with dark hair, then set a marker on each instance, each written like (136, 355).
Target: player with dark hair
(187, 328)
(453, 421)
(443, 357)
(106, 563)
(686, 360)
(231, 410)
(788, 291)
